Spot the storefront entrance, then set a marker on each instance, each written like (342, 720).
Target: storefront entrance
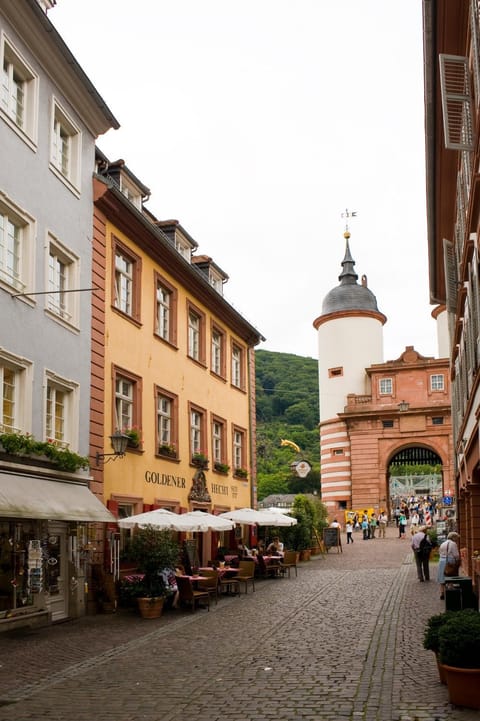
(56, 570)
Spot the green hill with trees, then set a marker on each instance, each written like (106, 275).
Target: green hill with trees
(286, 408)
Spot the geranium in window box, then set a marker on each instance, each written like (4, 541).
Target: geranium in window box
(168, 450)
(241, 473)
(221, 467)
(134, 437)
(199, 459)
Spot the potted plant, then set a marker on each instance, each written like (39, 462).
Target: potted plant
(25, 446)
(431, 640)
(221, 467)
(153, 551)
(459, 652)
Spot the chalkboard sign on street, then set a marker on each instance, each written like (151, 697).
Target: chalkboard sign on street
(332, 539)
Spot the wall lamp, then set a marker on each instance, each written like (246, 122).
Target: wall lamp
(403, 406)
(119, 443)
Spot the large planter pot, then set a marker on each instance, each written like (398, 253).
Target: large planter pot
(305, 555)
(441, 670)
(463, 686)
(150, 607)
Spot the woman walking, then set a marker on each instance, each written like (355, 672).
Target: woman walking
(449, 553)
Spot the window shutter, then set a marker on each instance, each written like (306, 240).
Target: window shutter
(456, 102)
(450, 275)
(474, 25)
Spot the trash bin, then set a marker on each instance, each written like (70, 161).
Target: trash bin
(459, 593)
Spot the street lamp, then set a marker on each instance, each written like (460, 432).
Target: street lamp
(119, 443)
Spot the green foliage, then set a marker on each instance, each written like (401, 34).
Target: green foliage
(459, 640)
(153, 550)
(18, 444)
(431, 640)
(287, 408)
(311, 516)
(414, 470)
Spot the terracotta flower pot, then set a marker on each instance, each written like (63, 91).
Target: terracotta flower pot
(463, 686)
(441, 670)
(150, 607)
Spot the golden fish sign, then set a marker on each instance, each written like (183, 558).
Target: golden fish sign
(284, 442)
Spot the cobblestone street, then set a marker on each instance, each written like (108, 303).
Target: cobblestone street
(341, 641)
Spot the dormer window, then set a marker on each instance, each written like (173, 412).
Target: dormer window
(216, 281)
(131, 192)
(183, 247)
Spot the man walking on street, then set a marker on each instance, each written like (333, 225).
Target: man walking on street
(421, 547)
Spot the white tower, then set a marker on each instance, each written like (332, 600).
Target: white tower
(350, 339)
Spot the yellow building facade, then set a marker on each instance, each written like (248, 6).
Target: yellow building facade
(172, 364)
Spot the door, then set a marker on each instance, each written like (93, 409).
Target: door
(56, 571)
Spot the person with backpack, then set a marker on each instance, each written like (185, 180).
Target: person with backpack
(421, 546)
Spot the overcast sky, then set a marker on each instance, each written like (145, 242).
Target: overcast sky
(255, 124)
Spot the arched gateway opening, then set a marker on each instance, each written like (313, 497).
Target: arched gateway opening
(414, 471)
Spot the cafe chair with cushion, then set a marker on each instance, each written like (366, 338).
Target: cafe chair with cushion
(188, 596)
(246, 574)
(210, 583)
(289, 561)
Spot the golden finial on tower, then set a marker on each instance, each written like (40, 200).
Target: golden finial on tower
(348, 214)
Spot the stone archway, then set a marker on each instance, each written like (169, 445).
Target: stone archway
(404, 486)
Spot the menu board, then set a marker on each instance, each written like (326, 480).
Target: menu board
(331, 538)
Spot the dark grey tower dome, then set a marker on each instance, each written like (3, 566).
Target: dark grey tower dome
(349, 295)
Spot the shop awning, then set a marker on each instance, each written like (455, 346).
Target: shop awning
(24, 496)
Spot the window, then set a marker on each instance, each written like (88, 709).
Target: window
(167, 423)
(126, 280)
(166, 310)
(335, 372)
(61, 410)
(436, 382)
(183, 248)
(63, 277)
(198, 440)
(219, 450)
(238, 372)
(386, 386)
(17, 233)
(196, 334)
(16, 385)
(218, 352)
(337, 452)
(387, 423)
(238, 451)
(127, 401)
(437, 420)
(18, 101)
(66, 147)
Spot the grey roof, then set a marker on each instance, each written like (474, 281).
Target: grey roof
(349, 295)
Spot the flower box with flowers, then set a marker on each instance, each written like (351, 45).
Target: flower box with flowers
(221, 467)
(167, 450)
(134, 437)
(200, 460)
(241, 473)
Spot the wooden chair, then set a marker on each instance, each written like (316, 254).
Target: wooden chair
(188, 595)
(246, 574)
(267, 570)
(210, 583)
(289, 561)
(229, 584)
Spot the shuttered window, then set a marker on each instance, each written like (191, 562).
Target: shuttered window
(456, 102)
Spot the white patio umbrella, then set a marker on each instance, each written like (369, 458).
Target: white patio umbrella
(160, 518)
(277, 519)
(200, 522)
(248, 517)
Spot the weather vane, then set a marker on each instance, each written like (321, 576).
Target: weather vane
(348, 214)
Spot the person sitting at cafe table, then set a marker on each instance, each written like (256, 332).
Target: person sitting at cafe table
(243, 550)
(275, 548)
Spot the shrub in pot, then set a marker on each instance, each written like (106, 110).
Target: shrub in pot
(431, 640)
(153, 550)
(459, 652)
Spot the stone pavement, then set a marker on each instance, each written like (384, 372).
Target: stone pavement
(341, 641)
